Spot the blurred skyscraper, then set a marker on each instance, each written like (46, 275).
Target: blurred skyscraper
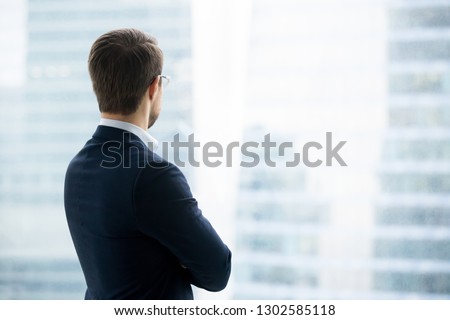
(58, 113)
(370, 230)
(313, 67)
(413, 213)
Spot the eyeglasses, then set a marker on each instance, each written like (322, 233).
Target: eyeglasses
(164, 80)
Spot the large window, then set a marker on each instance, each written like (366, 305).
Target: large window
(375, 74)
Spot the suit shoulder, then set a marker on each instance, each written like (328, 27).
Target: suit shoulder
(164, 179)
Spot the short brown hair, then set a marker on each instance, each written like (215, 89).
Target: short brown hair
(122, 65)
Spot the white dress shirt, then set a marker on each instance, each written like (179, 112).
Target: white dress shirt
(148, 140)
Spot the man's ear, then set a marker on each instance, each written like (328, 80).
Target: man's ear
(153, 88)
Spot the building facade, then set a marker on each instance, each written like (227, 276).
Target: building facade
(413, 212)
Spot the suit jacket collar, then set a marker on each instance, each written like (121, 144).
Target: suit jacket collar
(107, 133)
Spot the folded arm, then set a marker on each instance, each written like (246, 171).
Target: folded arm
(167, 212)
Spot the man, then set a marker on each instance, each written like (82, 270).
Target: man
(137, 230)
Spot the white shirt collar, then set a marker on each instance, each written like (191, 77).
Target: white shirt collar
(148, 140)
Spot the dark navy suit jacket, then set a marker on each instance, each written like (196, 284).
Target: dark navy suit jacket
(137, 230)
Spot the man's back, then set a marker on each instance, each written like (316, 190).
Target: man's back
(136, 228)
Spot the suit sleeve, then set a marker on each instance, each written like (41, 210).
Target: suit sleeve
(166, 211)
